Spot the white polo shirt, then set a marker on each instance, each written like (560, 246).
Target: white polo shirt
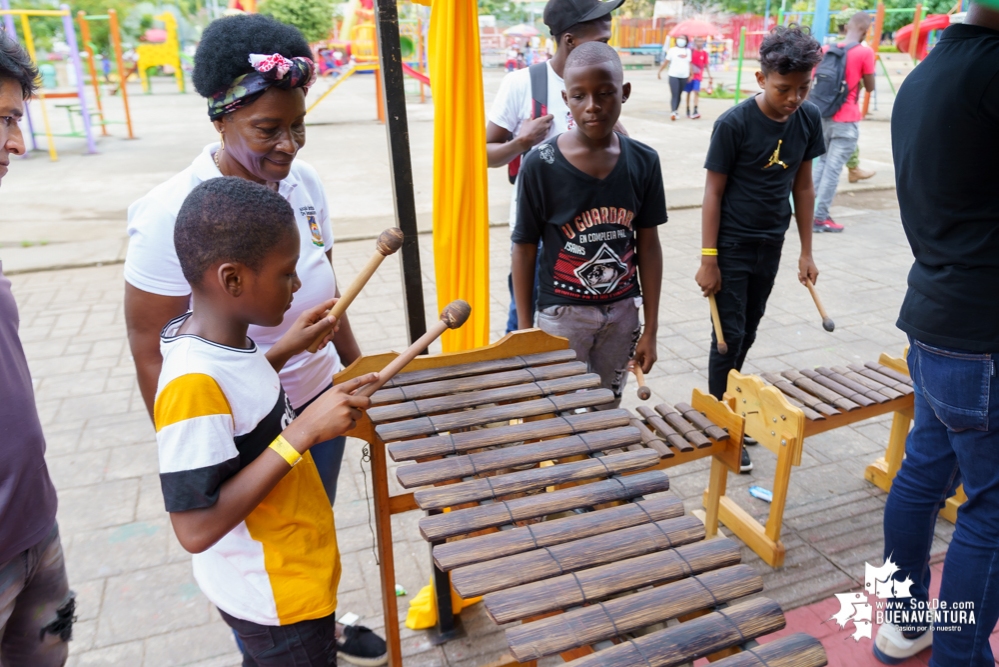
(151, 263)
(513, 105)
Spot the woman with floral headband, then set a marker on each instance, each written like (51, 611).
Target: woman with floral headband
(255, 73)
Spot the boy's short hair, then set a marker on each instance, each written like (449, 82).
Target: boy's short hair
(15, 64)
(229, 219)
(581, 27)
(594, 53)
(789, 49)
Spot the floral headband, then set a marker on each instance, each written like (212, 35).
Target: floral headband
(273, 70)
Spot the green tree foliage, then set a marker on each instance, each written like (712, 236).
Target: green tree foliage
(840, 12)
(313, 17)
(505, 11)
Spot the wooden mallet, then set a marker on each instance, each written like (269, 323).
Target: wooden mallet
(827, 322)
(644, 393)
(452, 317)
(388, 242)
(716, 321)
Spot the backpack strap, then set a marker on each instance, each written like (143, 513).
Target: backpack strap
(539, 89)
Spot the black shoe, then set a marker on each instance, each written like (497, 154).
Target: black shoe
(746, 465)
(746, 440)
(360, 646)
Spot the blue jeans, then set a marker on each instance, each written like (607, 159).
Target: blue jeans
(954, 440)
(841, 141)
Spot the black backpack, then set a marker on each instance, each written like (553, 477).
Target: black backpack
(539, 97)
(829, 90)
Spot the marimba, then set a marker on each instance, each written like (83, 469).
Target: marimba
(558, 514)
(782, 409)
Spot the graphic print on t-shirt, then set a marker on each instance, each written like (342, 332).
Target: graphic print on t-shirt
(585, 270)
(775, 158)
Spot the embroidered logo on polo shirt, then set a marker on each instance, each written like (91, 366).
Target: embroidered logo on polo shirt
(310, 217)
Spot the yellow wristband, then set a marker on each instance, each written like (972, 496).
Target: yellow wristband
(286, 451)
(709, 252)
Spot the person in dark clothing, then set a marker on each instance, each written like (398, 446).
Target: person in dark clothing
(36, 605)
(760, 154)
(945, 138)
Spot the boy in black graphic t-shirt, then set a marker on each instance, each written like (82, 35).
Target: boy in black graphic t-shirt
(595, 198)
(760, 154)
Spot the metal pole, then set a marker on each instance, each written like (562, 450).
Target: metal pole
(8, 22)
(401, 166)
(122, 73)
(914, 36)
(820, 21)
(81, 91)
(81, 17)
(738, 72)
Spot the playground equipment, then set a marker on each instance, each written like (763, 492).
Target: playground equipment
(363, 50)
(112, 18)
(164, 53)
(42, 96)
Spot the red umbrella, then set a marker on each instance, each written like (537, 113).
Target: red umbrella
(694, 28)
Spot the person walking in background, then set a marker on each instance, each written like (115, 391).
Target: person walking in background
(852, 62)
(699, 64)
(945, 139)
(36, 605)
(854, 172)
(677, 59)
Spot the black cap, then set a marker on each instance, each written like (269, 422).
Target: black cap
(560, 15)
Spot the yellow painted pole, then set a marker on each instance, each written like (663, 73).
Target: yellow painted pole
(340, 79)
(85, 38)
(29, 43)
(122, 74)
(914, 37)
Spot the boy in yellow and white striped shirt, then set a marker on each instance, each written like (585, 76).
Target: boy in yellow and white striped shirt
(243, 493)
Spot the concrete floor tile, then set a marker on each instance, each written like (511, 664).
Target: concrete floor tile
(213, 641)
(149, 602)
(130, 653)
(108, 552)
(99, 505)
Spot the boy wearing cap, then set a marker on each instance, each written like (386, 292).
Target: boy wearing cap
(514, 128)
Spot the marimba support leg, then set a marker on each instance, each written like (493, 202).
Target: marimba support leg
(448, 623)
(717, 484)
(386, 557)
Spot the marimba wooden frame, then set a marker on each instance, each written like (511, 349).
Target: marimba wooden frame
(782, 428)
(726, 455)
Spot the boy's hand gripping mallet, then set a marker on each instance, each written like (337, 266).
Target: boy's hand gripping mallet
(644, 393)
(452, 317)
(716, 321)
(388, 242)
(827, 322)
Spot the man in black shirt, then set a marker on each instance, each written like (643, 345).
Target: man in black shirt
(945, 141)
(596, 198)
(760, 154)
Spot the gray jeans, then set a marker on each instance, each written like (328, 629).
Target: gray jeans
(36, 607)
(841, 140)
(602, 336)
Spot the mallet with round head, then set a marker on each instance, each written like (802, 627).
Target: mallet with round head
(827, 322)
(388, 242)
(644, 393)
(716, 322)
(453, 316)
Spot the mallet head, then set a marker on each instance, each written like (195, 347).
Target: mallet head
(389, 241)
(644, 393)
(722, 348)
(455, 313)
(828, 324)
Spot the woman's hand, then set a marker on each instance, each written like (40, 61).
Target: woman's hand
(335, 412)
(708, 276)
(309, 326)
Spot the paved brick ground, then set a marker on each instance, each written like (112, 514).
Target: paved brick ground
(138, 602)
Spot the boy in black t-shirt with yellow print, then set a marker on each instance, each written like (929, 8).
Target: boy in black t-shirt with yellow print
(595, 198)
(760, 154)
